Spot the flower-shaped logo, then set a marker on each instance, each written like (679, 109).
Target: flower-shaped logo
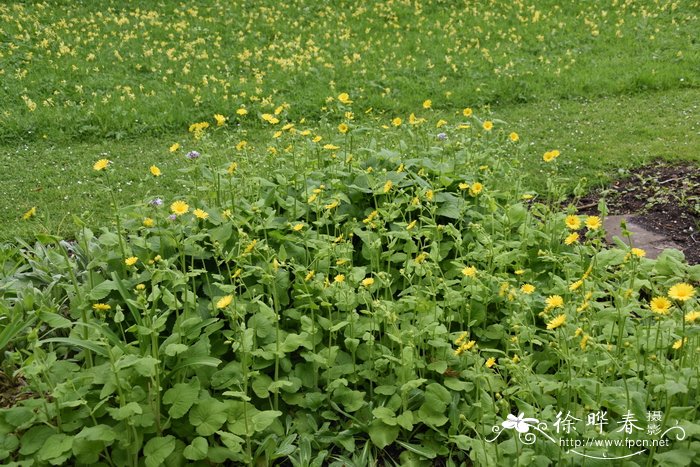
(520, 423)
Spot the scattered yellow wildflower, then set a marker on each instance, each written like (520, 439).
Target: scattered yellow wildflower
(331, 147)
(174, 147)
(344, 98)
(411, 224)
(339, 278)
(427, 104)
(469, 271)
(250, 247)
(556, 322)
(298, 227)
(467, 112)
(148, 222)
(549, 156)
(490, 362)
(179, 208)
(241, 112)
(101, 164)
(224, 301)
(576, 285)
(692, 316)
(679, 343)
(681, 291)
(571, 238)
(593, 222)
(554, 301)
(514, 137)
(200, 213)
(527, 289)
(29, 214)
(343, 128)
(387, 186)
(573, 222)
(440, 123)
(155, 171)
(367, 281)
(397, 121)
(476, 188)
(310, 275)
(638, 252)
(101, 307)
(220, 119)
(488, 125)
(131, 260)
(660, 305)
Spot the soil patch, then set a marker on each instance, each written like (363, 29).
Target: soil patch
(663, 198)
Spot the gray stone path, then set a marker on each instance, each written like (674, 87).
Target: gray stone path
(647, 240)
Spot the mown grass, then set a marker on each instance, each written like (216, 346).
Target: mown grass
(600, 139)
(106, 69)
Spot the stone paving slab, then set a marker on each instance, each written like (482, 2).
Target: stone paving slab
(651, 242)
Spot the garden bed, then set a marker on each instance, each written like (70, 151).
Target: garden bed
(661, 197)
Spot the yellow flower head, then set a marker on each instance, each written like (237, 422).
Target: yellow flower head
(339, 278)
(554, 301)
(488, 125)
(387, 186)
(527, 289)
(476, 188)
(467, 112)
(638, 252)
(29, 214)
(584, 341)
(397, 121)
(130, 261)
(573, 222)
(101, 307)
(241, 112)
(576, 285)
(330, 147)
(469, 271)
(344, 98)
(155, 171)
(571, 238)
(514, 137)
(367, 281)
(332, 205)
(179, 208)
(593, 222)
(310, 275)
(224, 301)
(411, 224)
(549, 156)
(148, 222)
(343, 128)
(556, 322)
(101, 164)
(220, 119)
(692, 316)
(241, 145)
(440, 123)
(427, 104)
(200, 213)
(679, 343)
(463, 186)
(232, 167)
(681, 291)
(174, 147)
(490, 362)
(660, 305)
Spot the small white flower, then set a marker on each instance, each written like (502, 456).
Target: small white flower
(521, 424)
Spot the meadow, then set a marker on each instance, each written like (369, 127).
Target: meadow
(262, 233)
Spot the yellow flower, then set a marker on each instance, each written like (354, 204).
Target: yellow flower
(679, 343)
(440, 123)
(397, 121)
(339, 278)
(660, 305)
(297, 227)
(527, 289)
(554, 301)
(638, 252)
(411, 225)
(367, 281)
(692, 316)
(467, 112)
(179, 208)
(271, 119)
(155, 171)
(514, 137)
(200, 213)
(488, 125)
(29, 214)
(556, 322)
(469, 271)
(572, 238)
(519, 272)
(490, 362)
(101, 164)
(576, 285)
(310, 275)
(249, 248)
(413, 120)
(387, 186)
(462, 337)
(241, 145)
(463, 186)
(344, 98)
(593, 222)
(476, 188)
(681, 291)
(421, 257)
(174, 147)
(584, 341)
(233, 166)
(343, 128)
(332, 205)
(148, 222)
(549, 156)
(220, 119)
(330, 147)
(101, 307)
(242, 112)
(429, 195)
(317, 138)
(131, 260)
(224, 301)
(573, 222)
(427, 104)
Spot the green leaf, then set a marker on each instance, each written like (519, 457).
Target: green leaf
(55, 446)
(262, 420)
(158, 449)
(54, 320)
(419, 449)
(129, 410)
(405, 420)
(181, 397)
(34, 438)
(197, 361)
(382, 434)
(77, 343)
(174, 349)
(197, 450)
(208, 416)
(97, 433)
(101, 290)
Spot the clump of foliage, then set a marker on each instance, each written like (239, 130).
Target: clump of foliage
(388, 297)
